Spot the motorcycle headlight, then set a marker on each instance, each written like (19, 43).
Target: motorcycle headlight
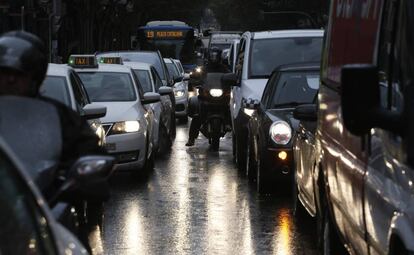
(280, 132)
(199, 69)
(216, 92)
(125, 127)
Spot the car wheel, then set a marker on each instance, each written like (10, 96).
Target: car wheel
(331, 243)
(183, 120)
(94, 213)
(250, 164)
(164, 142)
(241, 153)
(149, 164)
(233, 139)
(262, 182)
(299, 210)
(215, 143)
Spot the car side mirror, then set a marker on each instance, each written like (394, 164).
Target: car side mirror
(93, 111)
(150, 98)
(251, 104)
(165, 91)
(307, 112)
(186, 77)
(230, 80)
(178, 79)
(360, 99)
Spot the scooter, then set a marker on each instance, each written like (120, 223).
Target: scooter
(212, 107)
(32, 130)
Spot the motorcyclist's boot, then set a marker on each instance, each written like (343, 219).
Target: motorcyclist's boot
(190, 142)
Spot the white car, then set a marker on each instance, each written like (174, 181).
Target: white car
(150, 81)
(63, 84)
(180, 90)
(127, 122)
(259, 54)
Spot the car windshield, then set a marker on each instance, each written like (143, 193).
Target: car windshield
(151, 58)
(144, 80)
(172, 69)
(55, 87)
(268, 54)
(108, 86)
(295, 88)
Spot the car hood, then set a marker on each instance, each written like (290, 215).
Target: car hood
(285, 114)
(120, 111)
(253, 88)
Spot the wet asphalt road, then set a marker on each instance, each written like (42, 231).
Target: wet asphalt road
(196, 202)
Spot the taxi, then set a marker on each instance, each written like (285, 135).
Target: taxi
(64, 85)
(128, 122)
(163, 111)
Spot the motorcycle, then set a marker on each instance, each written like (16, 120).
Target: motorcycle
(32, 130)
(212, 107)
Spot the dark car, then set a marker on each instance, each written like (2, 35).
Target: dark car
(304, 155)
(272, 126)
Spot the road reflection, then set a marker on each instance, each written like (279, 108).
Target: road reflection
(196, 202)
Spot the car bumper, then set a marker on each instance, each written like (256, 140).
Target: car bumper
(181, 107)
(129, 150)
(276, 169)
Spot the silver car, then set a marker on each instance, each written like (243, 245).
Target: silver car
(128, 122)
(64, 85)
(180, 90)
(150, 81)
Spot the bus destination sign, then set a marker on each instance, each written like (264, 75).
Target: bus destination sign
(164, 34)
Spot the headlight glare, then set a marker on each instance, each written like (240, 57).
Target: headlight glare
(280, 132)
(179, 93)
(216, 92)
(125, 127)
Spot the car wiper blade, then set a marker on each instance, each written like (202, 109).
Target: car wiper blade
(293, 104)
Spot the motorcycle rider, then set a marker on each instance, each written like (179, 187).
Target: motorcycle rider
(23, 67)
(214, 65)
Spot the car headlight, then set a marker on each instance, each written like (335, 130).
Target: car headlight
(199, 69)
(125, 127)
(179, 93)
(280, 132)
(216, 92)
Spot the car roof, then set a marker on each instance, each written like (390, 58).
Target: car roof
(106, 68)
(58, 70)
(138, 65)
(311, 66)
(168, 60)
(288, 33)
(127, 51)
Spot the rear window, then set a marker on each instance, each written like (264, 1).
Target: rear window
(151, 58)
(56, 87)
(295, 88)
(144, 79)
(268, 54)
(108, 86)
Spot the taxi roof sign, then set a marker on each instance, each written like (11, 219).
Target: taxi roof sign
(83, 61)
(111, 60)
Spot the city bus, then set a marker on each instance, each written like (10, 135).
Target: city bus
(174, 39)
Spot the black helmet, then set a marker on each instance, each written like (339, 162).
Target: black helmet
(24, 52)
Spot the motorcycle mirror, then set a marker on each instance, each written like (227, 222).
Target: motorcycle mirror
(92, 168)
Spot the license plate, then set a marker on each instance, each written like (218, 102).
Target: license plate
(110, 146)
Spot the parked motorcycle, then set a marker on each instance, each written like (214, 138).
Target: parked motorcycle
(211, 107)
(32, 130)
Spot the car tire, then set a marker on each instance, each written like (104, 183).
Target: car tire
(299, 210)
(149, 164)
(330, 242)
(233, 139)
(164, 142)
(262, 182)
(183, 120)
(241, 153)
(250, 164)
(215, 143)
